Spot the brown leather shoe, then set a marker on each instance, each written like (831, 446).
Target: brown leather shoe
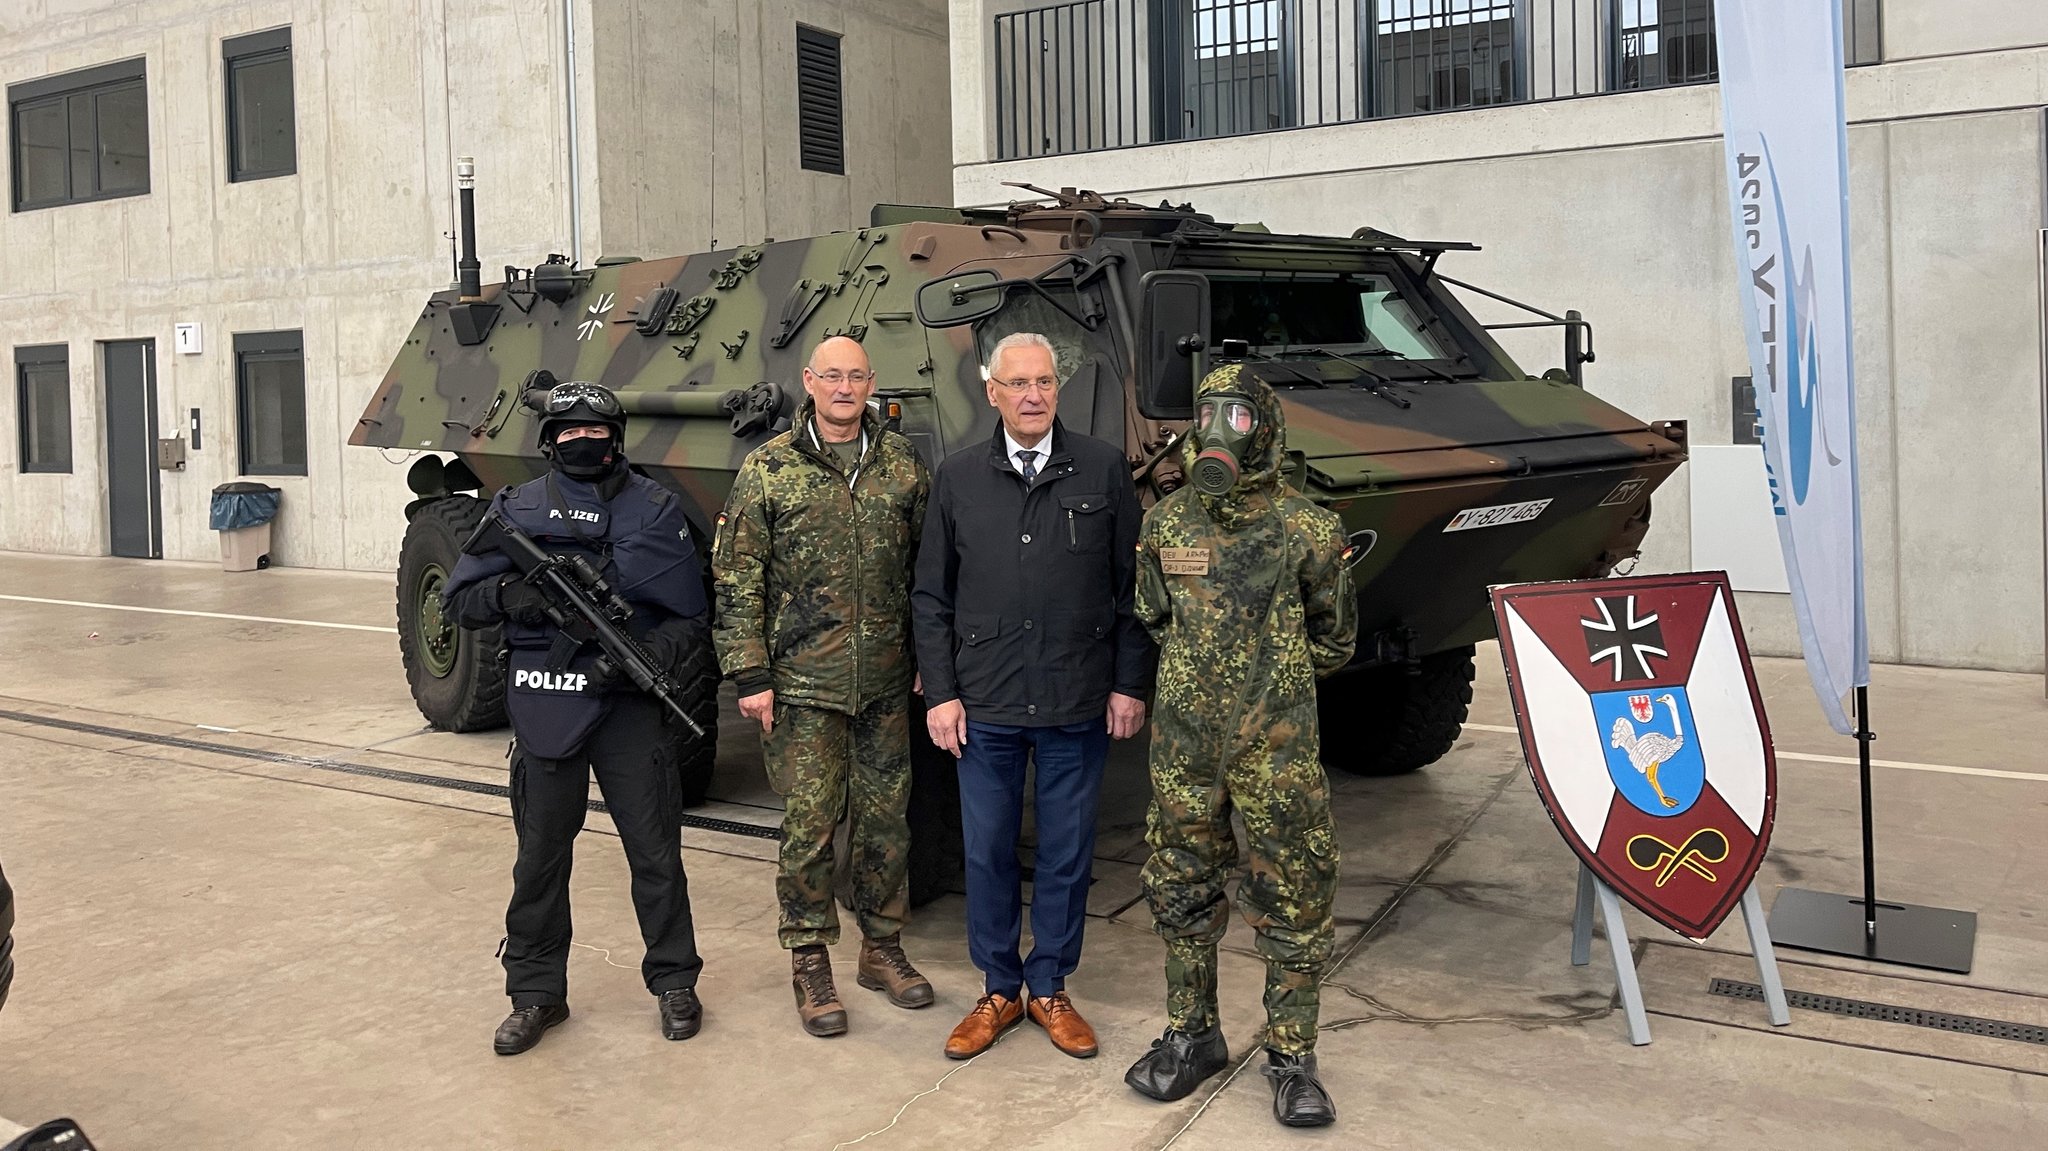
(817, 1001)
(992, 1016)
(1064, 1025)
(884, 967)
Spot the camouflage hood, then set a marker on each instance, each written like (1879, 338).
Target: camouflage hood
(1258, 477)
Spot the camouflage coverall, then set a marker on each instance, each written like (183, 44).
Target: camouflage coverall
(1241, 644)
(812, 576)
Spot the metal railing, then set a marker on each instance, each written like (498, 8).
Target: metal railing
(1094, 74)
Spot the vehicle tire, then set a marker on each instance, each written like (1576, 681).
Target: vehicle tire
(1394, 720)
(454, 672)
(695, 758)
(938, 855)
(6, 938)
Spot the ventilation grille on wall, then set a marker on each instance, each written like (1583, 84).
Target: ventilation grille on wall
(821, 140)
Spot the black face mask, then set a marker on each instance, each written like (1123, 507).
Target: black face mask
(585, 458)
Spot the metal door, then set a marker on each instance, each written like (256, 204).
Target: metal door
(134, 521)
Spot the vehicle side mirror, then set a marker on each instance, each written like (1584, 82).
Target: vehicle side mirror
(1175, 343)
(959, 299)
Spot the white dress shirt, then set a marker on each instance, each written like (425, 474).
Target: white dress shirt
(1043, 447)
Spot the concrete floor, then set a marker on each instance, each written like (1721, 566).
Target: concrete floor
(225, 942)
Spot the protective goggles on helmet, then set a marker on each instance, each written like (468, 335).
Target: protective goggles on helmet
(1238, 416)
(597, 399)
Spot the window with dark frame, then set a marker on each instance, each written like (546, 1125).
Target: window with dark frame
(820, 110)
(270, 408)
(42, 406)
(80, 136)
(262, 135)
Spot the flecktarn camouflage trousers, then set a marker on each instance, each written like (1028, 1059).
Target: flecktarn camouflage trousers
(1288, 883)
(832, 766)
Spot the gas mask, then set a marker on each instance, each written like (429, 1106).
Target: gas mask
(1225, 423)
(586, 457)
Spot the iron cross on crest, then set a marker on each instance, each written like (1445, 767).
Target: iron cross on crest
(1621, 638)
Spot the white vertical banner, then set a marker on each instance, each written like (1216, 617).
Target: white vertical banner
(1787, 156)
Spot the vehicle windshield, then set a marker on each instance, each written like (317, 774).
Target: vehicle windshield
(1027, 311)
(1360, 314)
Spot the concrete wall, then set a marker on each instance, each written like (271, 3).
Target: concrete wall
(387, 93)
(1614, 205)
(729, 174)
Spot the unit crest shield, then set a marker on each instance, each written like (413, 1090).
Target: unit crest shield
(1645, 735)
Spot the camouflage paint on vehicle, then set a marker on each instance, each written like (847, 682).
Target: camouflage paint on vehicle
(679, 338)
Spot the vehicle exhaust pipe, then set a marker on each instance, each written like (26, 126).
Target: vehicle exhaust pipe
(468, 273)
(469, 318)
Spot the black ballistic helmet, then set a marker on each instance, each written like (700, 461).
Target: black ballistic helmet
(576, 402)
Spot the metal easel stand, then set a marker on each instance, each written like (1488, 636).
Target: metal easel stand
(1590, 889)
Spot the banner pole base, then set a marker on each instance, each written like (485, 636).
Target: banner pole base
(1907, 934)
(1935, 938)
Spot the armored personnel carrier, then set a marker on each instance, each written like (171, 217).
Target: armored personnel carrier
(1451, 466)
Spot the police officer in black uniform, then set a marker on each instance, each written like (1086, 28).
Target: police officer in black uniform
(569, 723)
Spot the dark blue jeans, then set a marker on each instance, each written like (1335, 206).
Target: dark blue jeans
(1069, 778)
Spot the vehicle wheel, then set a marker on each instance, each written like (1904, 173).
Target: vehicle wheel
(6, 938)
(937, 852)
(1387, 721)
(696, 758)
(454, 672)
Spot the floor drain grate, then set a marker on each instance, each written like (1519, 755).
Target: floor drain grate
(1889, 1013)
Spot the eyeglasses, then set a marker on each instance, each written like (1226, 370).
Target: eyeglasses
(835, 377)
(1042, 383)
(599, 400)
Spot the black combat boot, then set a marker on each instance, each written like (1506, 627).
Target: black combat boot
(681, 1014)
(1298, 1096)
(524, 1027)
(1178, 1062)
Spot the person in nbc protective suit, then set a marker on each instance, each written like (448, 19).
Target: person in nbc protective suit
(1244, 585)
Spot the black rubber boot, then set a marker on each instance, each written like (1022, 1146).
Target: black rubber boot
(681, 1014)
(1178, 1062)
(1298, 1096)
(524, 1027)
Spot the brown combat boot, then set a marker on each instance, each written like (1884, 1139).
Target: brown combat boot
(884, 967)
(817, 1001)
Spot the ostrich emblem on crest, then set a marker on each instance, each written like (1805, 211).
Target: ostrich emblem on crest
(1652, 749)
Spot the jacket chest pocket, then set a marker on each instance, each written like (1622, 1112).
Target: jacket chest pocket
(1086, 522)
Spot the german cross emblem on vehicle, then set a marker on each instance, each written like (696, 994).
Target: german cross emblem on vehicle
(1646, 735)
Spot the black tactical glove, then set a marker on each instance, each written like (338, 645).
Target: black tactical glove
(670, 643)
(522, 602)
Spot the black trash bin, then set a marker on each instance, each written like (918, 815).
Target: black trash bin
(242, 512)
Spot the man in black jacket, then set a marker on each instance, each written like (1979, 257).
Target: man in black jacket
(1028, 647)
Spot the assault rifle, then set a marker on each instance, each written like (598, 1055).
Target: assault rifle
(583, 606)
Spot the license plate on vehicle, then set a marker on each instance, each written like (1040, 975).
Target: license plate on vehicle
(1496, 515)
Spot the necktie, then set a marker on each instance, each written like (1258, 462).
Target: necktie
(1028, 469)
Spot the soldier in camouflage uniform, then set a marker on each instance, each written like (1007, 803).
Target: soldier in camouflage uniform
(1243, 582)
(812, 566)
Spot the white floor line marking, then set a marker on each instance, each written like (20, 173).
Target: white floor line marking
(210, 727)
(197, 614)
(1850, 760)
